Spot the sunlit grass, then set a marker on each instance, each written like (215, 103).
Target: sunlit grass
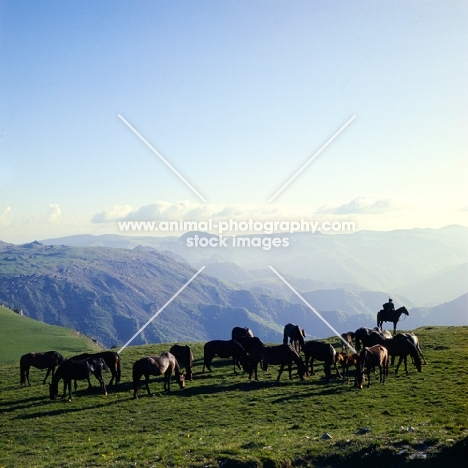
(223, 418)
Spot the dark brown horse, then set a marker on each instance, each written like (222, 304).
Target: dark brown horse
(317, 350)
(48, 360)
(402, 348)
(164, 364)
(184, 357)
(239, 332)
(112, 360)
(226, 349)
(414, 339)
(296, 336)
(366, 337)
(283, 355)
(390, 316)
(77, 370)
(369, 359)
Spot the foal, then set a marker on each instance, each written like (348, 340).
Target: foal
(375, 356)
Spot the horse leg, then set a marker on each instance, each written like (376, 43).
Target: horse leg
(338, 374)
(69, 390)
(312, 365)
(47, 375)
(146, 383)
(398, 365)
(280, 372)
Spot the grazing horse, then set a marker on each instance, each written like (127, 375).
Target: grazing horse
(225, 349)
(347, 360)
(48, 360)
(369, 359)
(390, 316)
(370, 336)
(347, 337)
(295, 334)
(112, 360)
(239, 332)
(164, 364)
(402, 347)
(184, 357)
(414, 339)
(254, 348)
(283, 355)
(77, 370)
(317, 350)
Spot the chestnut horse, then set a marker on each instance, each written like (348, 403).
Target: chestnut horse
(369, 359)
(347, 360)
(48, 360)
(165, 364)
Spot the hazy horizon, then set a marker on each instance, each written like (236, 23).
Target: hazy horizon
(365, 104)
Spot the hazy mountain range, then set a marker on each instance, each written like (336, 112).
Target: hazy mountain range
(110, 289)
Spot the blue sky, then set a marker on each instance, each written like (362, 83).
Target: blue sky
(237, 96)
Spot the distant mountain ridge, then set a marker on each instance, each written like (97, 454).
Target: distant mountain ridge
(415, 263)
(109, 293)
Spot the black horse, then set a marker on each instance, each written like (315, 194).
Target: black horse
(390, 316)
(283, 355)
(112, 360)
(317, 350)
(239, 332)
(184, 357)
(164, 364)
(295, 334)
(48, 360)
(77, 370)
(225, 349)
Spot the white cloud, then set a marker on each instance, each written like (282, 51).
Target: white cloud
(114, 213)
(5, 216)
(366, 204)
(194, 211)
(54, 213)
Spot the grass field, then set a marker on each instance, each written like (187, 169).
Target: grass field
(20, 335)
(222, 419)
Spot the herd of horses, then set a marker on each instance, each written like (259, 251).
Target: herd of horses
(379, 349)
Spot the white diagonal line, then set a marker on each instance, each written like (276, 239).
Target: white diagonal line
(312, 158)
(161, 157)
(161, 309)
(312, 309)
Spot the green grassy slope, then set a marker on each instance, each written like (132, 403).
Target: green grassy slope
(20, 335)
(222, 419)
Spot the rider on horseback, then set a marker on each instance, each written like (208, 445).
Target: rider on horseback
(388, 306)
